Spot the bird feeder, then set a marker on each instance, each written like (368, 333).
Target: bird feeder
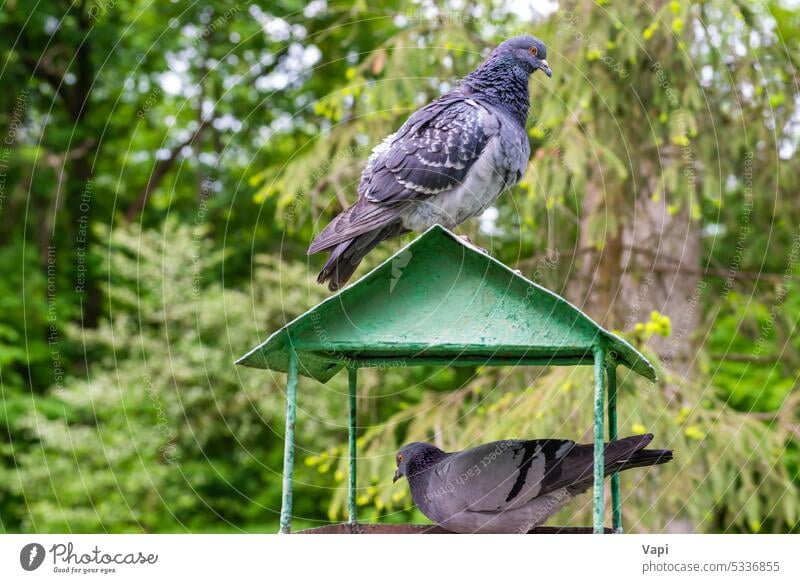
(439, 301)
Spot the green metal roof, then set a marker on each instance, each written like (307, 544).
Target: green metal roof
(440, 301)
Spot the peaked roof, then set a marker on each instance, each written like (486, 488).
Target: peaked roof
(439, 300)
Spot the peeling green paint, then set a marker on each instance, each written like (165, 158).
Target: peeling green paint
(288, 445)
(599, 461)
(616, 502)
(352, 508)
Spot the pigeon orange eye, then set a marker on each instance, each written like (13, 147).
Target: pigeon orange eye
(399, 458)
(533, 51)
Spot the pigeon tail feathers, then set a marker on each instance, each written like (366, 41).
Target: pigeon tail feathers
(619, 455)
(346, 256)
(644, 458)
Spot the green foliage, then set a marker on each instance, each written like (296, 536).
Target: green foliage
(162, 432)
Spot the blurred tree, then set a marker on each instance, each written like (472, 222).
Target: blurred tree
(160, 440)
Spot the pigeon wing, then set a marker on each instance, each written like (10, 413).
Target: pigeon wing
(431, 153)
(505, 475)
(501, 475)
(576, 468)
(360, 218)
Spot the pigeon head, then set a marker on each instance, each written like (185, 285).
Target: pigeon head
(502, 79)
(526, 52)
(415, 458)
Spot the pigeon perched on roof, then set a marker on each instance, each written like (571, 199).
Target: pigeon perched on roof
(511, 486)
(448, 162)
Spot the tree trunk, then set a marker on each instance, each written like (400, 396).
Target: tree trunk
(637, 257)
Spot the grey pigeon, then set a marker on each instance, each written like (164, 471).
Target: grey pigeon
(448, 162)
(514, 485)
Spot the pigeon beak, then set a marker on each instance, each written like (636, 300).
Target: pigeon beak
(396, 476)
(545, 67)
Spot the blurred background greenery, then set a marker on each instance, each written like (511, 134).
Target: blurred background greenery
(163, 167)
